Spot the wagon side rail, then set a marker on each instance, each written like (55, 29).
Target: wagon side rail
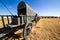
(4, 30)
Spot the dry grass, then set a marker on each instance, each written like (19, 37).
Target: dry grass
(5, 21)
(46, 29)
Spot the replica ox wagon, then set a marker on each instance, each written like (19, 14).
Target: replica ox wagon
(26, 15)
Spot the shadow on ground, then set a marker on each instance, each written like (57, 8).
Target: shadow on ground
(10, 33)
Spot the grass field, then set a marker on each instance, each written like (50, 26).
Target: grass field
(45, 29)
(5, 21)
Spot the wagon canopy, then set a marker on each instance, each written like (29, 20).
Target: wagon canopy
(21, 8)
(24, 9)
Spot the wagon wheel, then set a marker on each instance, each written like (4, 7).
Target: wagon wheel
(36, 18)
(27, 31)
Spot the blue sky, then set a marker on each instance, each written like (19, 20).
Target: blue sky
(42, 7)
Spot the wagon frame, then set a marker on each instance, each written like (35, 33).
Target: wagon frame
(26, 27)
(26, 15)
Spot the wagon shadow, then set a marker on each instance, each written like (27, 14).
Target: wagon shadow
(3, 30)
(14, 36)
